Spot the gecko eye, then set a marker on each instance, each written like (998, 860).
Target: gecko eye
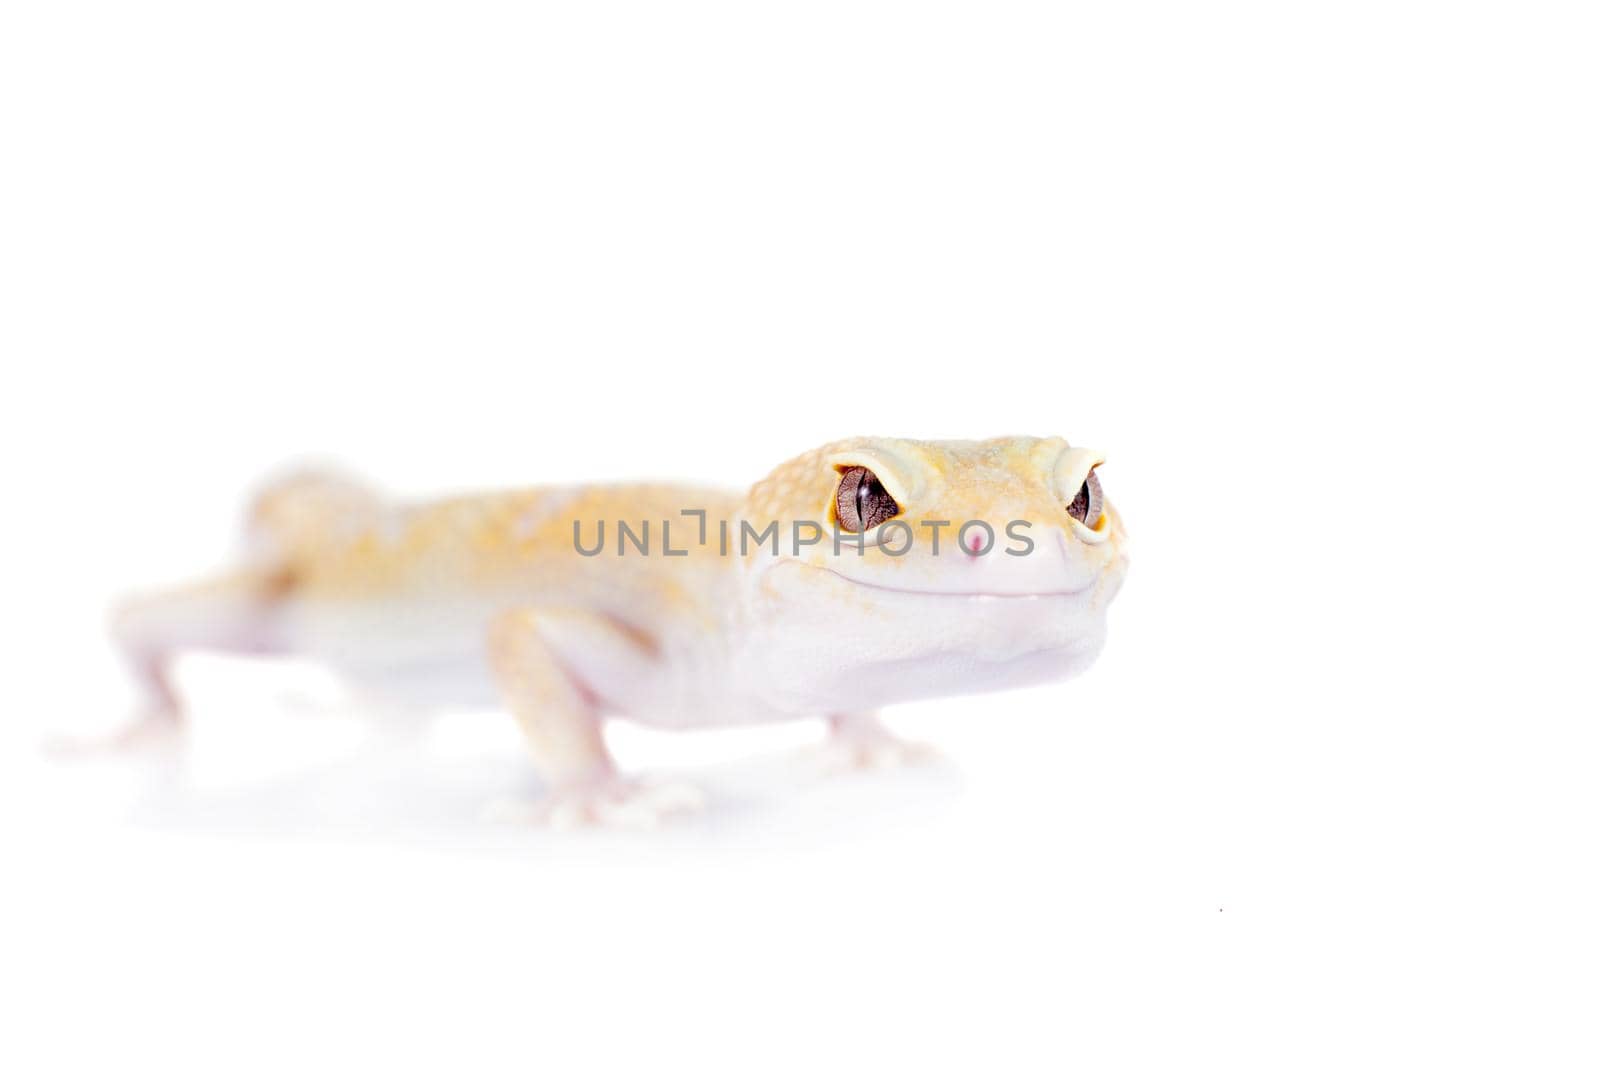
(862, 502)
(1085, 507)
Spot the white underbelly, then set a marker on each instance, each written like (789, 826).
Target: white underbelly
(410, 653)
(436, 652)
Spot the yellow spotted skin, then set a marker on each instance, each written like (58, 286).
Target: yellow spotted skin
(336, 539)
(475, 539)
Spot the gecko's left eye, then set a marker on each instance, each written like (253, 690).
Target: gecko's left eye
(861, 500)
(1086, 506)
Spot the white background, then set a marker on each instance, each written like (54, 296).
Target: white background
(1321, 280)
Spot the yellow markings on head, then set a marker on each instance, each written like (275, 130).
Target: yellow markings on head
(932, 481)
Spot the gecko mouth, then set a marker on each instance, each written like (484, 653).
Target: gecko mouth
(975, 594)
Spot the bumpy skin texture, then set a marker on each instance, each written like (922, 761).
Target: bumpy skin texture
(724, 618)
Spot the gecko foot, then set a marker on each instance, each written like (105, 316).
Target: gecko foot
(611, 802)
(158, 730)
(862, 743)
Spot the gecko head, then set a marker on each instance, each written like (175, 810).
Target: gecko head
(930, 524)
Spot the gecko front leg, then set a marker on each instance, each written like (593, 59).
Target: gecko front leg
(861, 741)
(547, 661)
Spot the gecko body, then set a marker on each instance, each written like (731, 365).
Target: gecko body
(868, 572)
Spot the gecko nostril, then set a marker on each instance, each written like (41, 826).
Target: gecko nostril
(975, 541)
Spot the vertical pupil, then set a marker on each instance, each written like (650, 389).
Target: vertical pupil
(862, 501)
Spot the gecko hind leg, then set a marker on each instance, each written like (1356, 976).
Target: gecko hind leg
(234, 612)
(545, 660)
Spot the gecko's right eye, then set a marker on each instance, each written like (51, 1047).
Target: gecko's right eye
(861, 501)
